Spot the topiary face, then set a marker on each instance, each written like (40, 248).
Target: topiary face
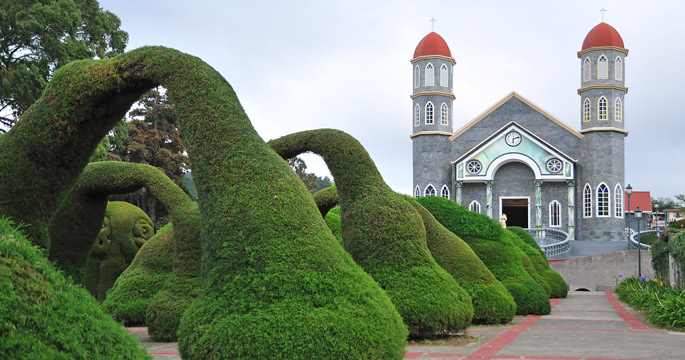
(104, 240)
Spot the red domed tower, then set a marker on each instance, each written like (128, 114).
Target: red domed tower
(602, 160)
(432, 100)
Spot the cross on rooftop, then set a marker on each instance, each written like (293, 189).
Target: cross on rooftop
(432, 20)
(603, 10)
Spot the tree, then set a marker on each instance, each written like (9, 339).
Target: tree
(300, 168)
(665, 203)
(152, 139)
(323, 182)
(39, 36)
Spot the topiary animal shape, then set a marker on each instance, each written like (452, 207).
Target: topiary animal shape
(275, 282)
(385, 235)
(124, 230)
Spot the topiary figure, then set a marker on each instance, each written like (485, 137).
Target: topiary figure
(124, 230)
(486, 237)
(326, 199)
(275, 282)
(333, 221)
(492, 304)
(385, 235)
(43, 315)
(558, 287)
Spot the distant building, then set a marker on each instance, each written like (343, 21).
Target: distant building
(517, 159)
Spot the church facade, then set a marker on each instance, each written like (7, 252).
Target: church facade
(517, 161)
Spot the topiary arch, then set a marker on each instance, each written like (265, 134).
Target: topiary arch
(275, 282)
(385, 235)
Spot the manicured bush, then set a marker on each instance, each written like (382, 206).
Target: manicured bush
(498, 253)
(275, 281)
(326, 199)
(492, 304)
(663, 306)
(680, 224)
(557, 284)
(130, 296)
(124, 230)
(333, 221)
(43, 315)
(385, 235)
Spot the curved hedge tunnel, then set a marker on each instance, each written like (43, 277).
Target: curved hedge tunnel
(385, 234)
(272, 272)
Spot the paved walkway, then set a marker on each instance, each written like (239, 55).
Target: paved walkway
(584, 326)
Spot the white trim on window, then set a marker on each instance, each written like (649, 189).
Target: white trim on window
(474, 206)
(417, 192)
(603, 201)
(430, 75)
(417, 76)
(445, 192)
(429, 113)
(417, 115)
(587, 201)
(618, 68)
(602, 67)
(586, 110)
(555, 214)
(618, 110)
(443, 75)
(618, 201)
(443, 114)
(587, 69)
(602, 112)
(429, 190)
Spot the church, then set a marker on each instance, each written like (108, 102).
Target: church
(517, 161)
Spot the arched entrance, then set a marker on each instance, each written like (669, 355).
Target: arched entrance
(516, 210)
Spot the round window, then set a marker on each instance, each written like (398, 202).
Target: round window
(554, 165)
(474, 166)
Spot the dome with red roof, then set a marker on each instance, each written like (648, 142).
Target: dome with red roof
(602, 35)
(432, 44)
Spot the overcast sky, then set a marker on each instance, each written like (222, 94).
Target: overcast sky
(300, 65)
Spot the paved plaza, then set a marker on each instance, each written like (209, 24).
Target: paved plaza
(583, 326)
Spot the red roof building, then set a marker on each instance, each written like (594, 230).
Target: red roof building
(602, 35)
(639, 198)
(432, 44)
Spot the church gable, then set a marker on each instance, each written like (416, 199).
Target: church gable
(514, 143)
(518, 109)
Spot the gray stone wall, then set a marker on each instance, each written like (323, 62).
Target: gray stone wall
(431, 163)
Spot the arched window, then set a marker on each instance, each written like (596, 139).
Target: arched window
(443, 114)
(602, 67)
(443, 75)
(429, 75)
(602, 108)
(618, 68)
(429, 113)
(586, 110)
(618, 111)
(587, 69)
(417, 192)
(417, 115)
(554, 214)
(445, 192)
(430, 191)
(417, 76)
(474, 206)
(587, 201)
(602, 200)
(618, 201)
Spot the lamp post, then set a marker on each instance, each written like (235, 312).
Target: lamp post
(629, 190)
(638, 216)
(656, 216)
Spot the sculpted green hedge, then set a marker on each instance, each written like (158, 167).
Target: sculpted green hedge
(492, 304)
(385, 234)
(124, 230)
(326, 199)
(275, 281)
(495, 250)
(43, 315)
(525, 242)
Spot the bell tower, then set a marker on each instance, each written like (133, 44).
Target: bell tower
(602, 166)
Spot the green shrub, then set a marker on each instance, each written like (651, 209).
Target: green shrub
(130, 295)
(663, 306)
(385, 235)
(491, 245)
(43, 315)
(492, 304)
(648, 238)
(124, 230)
(333, 221)
(680, 224)
(326, 199)
(528, 239)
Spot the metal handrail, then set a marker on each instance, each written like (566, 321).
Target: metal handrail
(634, 242)
(551, 241)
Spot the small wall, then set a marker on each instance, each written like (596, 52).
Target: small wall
(600, 272)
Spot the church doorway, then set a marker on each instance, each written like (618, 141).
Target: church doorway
(516, 210)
